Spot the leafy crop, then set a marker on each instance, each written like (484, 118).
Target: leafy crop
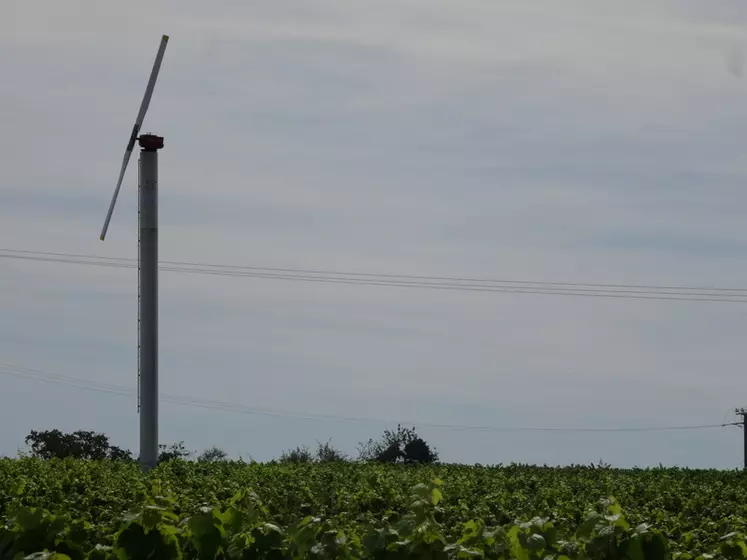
(60, 509)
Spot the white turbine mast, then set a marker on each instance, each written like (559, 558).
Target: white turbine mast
(147, 268)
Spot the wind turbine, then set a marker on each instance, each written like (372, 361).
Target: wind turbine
(147, 268)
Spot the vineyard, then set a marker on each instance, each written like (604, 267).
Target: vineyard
(76, 509)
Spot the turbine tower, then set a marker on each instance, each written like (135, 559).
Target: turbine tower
(147, 268)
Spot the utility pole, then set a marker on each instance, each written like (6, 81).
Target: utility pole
(743, 413)
(148, 304)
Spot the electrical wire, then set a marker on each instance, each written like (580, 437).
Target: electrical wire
(118, 390)
(384, 275)
(616, 291)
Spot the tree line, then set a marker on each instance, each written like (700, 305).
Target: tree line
(402, 445)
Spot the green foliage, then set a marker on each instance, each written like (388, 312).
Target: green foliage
(54, 444)
(173, 451)
(325, 453)
(300, 454)
(213, 454)
(328, 453)
(400, 446)
(109, 510)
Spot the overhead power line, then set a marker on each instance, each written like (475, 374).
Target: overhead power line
(119, 390)
(578, 289)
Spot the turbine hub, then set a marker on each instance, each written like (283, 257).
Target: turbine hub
(150, 142)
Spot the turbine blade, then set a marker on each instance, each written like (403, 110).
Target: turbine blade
(125, 161)
(136, 129)
(151, 82)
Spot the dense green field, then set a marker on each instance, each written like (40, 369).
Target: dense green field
(237, 510)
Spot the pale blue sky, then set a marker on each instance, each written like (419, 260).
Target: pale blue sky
(589, 141)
